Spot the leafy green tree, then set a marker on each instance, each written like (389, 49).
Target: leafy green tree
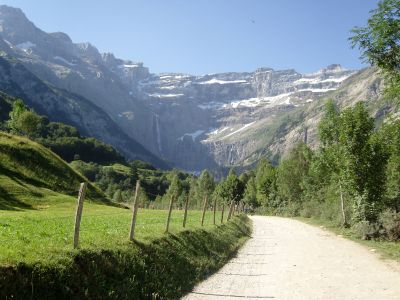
(206, 184)
(250, 192)
(363, 162)
(230, 188)
(328, 127)
(290, 178)
(18, 108)
(174, 190)
(24, 121)
(390, 138)
(234, 186)
(327, 167)
(202, 187)
(29, 123)
(264, 180)
(379, 41)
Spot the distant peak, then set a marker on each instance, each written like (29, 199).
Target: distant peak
(11, 10)
(61, 36)
(264, 69)
(12, 14)
(334, 67)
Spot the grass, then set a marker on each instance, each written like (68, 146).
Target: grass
(155, 266)
(45, 234)
(388, 250)
(31, 174)
(37, 261)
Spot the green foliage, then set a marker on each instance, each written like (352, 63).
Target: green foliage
(87, 149)
(174, 190)
(230, 189)
(62, 139)
(250, 193)
(390, 138)
(31, 174)
(363, 162)
(350, 180)
(205, 186)
(23, 121)
(390, 221)
(290, 176)
(379, 41)
(328, 128)
(264, 180)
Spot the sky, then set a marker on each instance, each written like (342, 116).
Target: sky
(210, 36)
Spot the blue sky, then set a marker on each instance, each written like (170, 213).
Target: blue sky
(210, 36)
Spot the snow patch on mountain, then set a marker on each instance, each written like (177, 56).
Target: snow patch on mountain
(218, 81)
(239, 130)
(165, 95)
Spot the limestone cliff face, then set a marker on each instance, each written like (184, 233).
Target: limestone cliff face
(61, 105)
(195, 122)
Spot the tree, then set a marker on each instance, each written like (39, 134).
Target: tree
(230, 189)
(379, 41)
(290, 178)
(205, 184)
(29, 124)
(325, 169)
(24, 121)
(174, 189)
(362, 162)
(250, 193)
(264, 180)
(390, 138)
(328, 127)
(18, 108)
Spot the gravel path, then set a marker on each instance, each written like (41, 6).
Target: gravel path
(287, 259)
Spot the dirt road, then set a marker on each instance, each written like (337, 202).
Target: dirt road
(287, 259)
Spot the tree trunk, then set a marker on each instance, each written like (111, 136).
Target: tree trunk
(342, 205)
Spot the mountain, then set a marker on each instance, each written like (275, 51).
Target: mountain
(220, 119)
(211, 121)
(55, 101)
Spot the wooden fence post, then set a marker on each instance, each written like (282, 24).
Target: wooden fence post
(169, 213)
(135, 210)
(215, 209)
(185, 213)
(204, 210)
(222, 213)
(78, 216)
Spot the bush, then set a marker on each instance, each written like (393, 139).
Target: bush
(366, 230)
(390, 221)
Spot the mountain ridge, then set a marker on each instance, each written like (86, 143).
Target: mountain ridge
(193, 121)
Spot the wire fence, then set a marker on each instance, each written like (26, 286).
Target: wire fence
(98, 225)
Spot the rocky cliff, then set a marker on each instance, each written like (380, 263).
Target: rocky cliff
(195, 122)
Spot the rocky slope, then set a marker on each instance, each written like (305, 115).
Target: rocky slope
(195, 122)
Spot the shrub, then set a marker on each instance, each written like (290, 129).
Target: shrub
(366, 230)
(390, 221)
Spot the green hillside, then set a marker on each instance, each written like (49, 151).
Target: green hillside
(32, 175)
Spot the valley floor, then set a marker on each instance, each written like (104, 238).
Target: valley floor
(287, 259)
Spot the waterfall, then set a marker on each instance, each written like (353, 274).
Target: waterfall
(158, 135)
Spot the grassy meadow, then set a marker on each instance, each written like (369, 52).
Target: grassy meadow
(45, 234)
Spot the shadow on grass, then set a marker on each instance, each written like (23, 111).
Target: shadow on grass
(10, 202)
(167, 268)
